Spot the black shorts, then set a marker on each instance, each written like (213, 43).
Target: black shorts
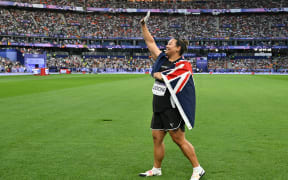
(169, 119)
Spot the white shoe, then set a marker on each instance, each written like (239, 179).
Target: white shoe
(152, 172)
(197, 175)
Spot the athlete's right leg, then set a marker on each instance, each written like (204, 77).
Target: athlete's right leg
(159, 148)
(159, 151)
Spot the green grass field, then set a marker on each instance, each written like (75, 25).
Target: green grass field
(98, 127)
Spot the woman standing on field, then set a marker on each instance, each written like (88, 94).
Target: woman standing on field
(166, 117)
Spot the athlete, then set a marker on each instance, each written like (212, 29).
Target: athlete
(165, 117)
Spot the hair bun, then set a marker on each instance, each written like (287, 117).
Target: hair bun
(186, 42)
(184, 45)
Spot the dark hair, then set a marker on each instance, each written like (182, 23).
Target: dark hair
(183, 44)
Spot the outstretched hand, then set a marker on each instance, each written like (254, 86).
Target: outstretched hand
(142, 22)
(145, 19)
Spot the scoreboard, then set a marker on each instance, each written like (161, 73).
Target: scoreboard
(33, 61)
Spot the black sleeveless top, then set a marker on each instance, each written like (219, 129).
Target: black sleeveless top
(162, 103)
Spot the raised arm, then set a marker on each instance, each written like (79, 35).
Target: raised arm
(150, 42)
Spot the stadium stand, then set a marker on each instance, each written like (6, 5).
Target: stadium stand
(112, 40)
(125, 25)
(165, 4)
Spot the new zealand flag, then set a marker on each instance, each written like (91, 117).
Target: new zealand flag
(179, 81)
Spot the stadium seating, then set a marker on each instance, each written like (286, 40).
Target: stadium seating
(165, 4)
(126, 25)
(22, 28)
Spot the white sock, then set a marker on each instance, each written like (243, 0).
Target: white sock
(157, 169)
(197, 169)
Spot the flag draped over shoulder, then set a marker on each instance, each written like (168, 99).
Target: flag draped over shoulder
(179, 81)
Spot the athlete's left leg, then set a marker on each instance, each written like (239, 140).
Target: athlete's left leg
(188, 150)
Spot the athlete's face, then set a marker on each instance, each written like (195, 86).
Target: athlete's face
(171, 48)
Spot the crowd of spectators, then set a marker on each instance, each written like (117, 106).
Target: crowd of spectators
(31, 51)
(164, 4)
(71, 24)
(36, 22)
(115, 64)
(7, 65)
(108, 64)
(279, 64)
(127, 25)
(188, 4)
(75, 3)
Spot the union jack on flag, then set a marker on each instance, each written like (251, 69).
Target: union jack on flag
(179, 81)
